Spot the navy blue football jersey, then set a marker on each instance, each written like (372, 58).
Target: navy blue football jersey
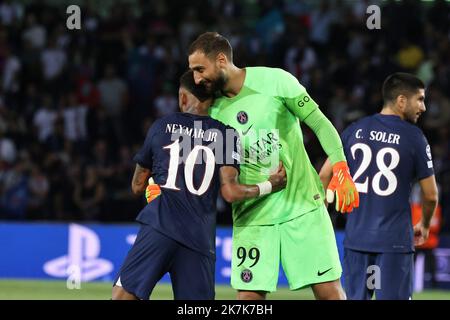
(386, 155)
(184, 153)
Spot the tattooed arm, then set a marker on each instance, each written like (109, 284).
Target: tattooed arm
(140, 179)
(233, 191)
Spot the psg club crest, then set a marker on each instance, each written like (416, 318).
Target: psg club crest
(242, 117)
(246, 276)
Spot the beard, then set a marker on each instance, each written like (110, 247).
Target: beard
(412, 117)
(213, 86)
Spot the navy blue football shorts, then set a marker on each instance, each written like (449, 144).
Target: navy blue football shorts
(388, 275)
(154, 254)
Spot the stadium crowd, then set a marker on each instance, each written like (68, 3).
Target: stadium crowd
(75, 105)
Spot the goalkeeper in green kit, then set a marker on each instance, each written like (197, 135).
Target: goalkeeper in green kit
(265, 106)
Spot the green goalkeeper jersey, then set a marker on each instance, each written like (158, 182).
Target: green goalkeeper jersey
(266, 113)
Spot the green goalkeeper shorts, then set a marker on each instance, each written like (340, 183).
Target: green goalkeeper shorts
(306, 247)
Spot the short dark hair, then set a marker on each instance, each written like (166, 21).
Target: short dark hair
(199, 91)
(211, 44)
(400, 83)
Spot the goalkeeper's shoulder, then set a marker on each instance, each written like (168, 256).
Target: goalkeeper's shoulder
(276, 82)
(275, 74)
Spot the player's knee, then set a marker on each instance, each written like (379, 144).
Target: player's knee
(329, 291)
(119, 293)
(331, 295)
(338, 294)
(251, 295)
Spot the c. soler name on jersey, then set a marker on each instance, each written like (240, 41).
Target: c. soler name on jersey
(379, 136)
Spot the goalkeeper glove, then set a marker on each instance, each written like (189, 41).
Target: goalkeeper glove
(342, 185)
(152, 191)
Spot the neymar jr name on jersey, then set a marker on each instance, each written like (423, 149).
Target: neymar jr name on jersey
(197, 132)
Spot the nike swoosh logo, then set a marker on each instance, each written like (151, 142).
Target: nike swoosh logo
(246, 131)
(322, 273)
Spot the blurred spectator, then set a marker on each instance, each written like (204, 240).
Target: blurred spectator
(119, 199)
(61, 38)
(166, 103)
(321, 20)
(438, 15)
(86, 89)
(143, 71)
(189, 28)
(13, 192)
(90, 194)
(270, 26)
(44, 119)
(10, 12)
(300, 59)
(34, 34)
(102, 160)
(338, 107)
(60, 192)
(11, 69)
(53, 63)
(8, 150)
(38, 188)
(30, 102)
(438, 109)
(75, 119)
(410, 55)
(426, 69)
(55, 141)
(113, 98)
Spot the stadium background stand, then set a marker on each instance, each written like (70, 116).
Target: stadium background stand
(75, 105)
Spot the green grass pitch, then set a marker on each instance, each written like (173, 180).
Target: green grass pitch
(57, 290)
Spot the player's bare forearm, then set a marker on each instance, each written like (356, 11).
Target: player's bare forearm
(428, 208)
(429, 199)
(233, 191)
(326, 173)
(140, 179)
(230, 188)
